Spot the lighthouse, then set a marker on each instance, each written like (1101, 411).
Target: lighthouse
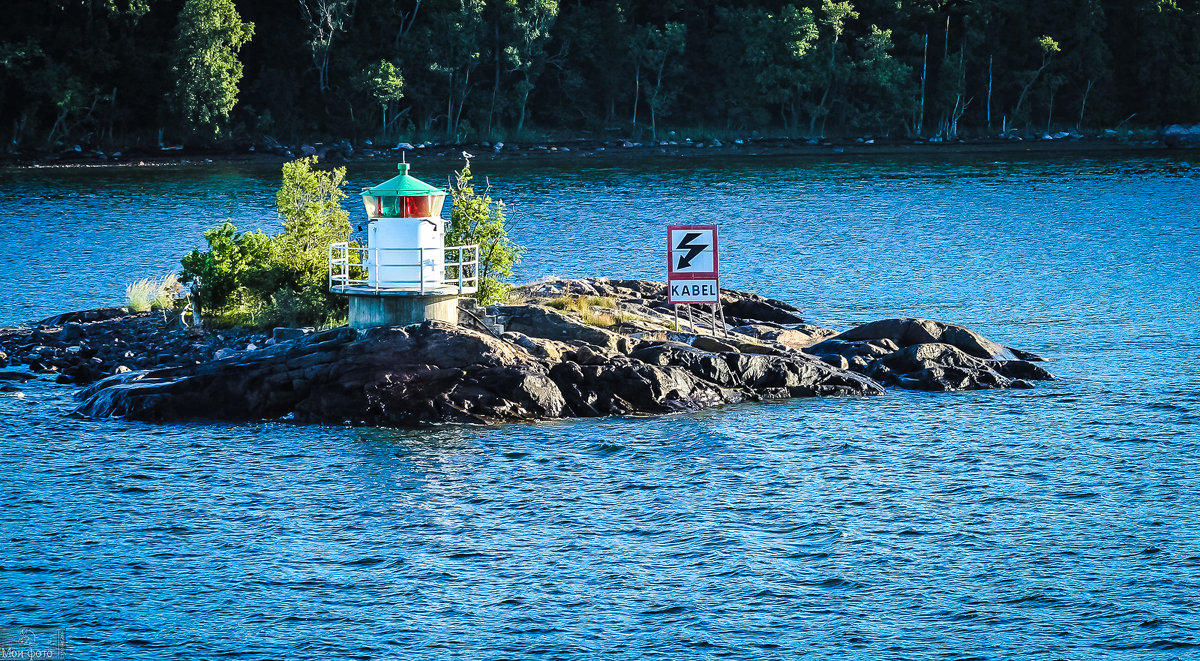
(406, 274)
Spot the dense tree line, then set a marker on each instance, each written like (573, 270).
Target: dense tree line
(111, 72)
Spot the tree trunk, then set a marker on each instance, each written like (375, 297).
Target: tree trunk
(450, 107)
(1025, 90)
(1050, 113)
(924, 71)
(989, 95)
(1083, 105)
(495, 85)
(462, 100)
(637, 90)
(524, 99)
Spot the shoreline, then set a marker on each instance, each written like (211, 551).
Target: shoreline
(533, 358)
(605, 150)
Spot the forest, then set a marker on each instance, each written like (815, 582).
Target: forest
(110, 73)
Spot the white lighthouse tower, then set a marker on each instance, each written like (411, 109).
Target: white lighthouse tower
(406, 274)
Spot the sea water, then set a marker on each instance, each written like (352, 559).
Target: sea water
(1055, 523)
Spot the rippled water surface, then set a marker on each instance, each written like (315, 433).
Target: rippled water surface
(1056, 523)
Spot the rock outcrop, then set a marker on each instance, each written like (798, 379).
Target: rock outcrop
(434, 372)
(921, 354)
(531, 361)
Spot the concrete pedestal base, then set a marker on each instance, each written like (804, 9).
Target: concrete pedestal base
(368, 311)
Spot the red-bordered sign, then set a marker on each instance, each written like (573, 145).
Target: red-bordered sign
(692, 264)
(691, 251)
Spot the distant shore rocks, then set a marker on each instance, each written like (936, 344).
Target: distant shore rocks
(1179, 135)
(265, 149)
(530, 361)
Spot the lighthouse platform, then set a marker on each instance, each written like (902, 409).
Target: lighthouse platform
(402, 286)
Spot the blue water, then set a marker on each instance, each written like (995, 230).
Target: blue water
(1056, 523)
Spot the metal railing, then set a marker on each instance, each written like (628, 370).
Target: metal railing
(381, 270)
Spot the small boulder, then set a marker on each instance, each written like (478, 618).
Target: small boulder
(287, 334)
(908, 332)
(712, 344)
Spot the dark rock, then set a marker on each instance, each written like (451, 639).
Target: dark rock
(837, 361)
(434, 372)
(907, 332)
(1022, 370)
(943, 367)
(547, 365)
(709, 343)
(947, 379)
(758, 308)
(15, 376)
(852, 349)
(288, 334)
(536, 321)
(1179, 135)
(85, 316)
(1025, 355)
(795, 336)
(72, 331)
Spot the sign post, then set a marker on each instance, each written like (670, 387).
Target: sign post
(692, 270)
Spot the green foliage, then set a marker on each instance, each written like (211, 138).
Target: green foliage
(478, 220)
(205, 64)
(384, 82)
(108, 73)
(385, 85)
(249, 277)
(309, 201)
(529, 23)
(234, 262)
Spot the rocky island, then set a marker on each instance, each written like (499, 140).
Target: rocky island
(560, 348)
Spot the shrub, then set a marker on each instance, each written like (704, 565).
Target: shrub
(249, 277)
(479, 220)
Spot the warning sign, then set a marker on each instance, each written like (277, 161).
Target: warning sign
(692, 251)
(692, 264)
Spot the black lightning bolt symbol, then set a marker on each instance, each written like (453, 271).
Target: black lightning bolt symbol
(693, 249)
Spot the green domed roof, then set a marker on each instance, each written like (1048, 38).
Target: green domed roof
(402, 185)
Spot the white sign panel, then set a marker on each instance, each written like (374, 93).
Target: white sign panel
(694, 291)
(692, 250)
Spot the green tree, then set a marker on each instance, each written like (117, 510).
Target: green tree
(654, 48)
(309, 201)
(883, 86)
(205, 64)
(456, 55)
(774, 52)
(385, 84)
(530, 23)
(832, 19)
(248, 277)
(478, 220)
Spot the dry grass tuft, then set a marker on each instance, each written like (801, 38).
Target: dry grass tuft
(147, 294)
